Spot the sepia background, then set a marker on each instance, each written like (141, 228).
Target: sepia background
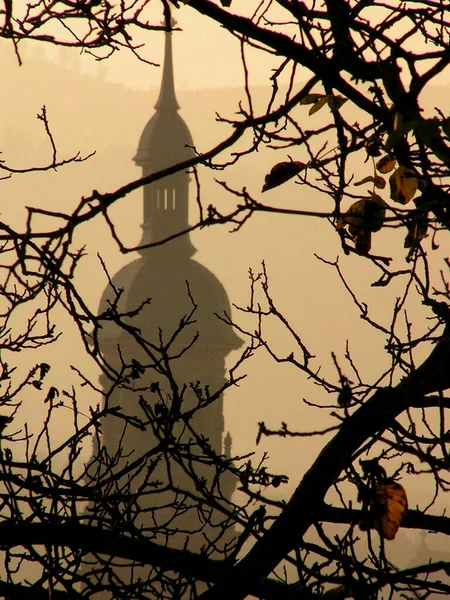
(102, 107)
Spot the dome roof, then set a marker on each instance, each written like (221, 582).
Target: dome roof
(166, 274)
(165, 141)
(168, 284)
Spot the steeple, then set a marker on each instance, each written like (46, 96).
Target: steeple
(166, 141)
(157, 291)
(167, 99)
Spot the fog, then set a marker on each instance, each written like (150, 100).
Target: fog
(102, 108)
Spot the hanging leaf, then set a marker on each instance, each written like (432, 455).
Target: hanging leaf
(282, 172)
(400, 130)
(311, 98)
(398, 120)
(363, 218)
(429, 131)
(319, 101)
(390, 498)
(44, 368)
(367, 179)
(362, 238)
(375, 212)
(373, 148)
(386, 164)
(318, 105)
(417, 228)
(52, 394)
(404, 184)
(368, 213)
(378, 181)
(335, 102)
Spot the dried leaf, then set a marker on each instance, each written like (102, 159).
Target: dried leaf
(373, 148)
(391, 499)
(311, 98)
(367, 179)
(363, 218)
(429, 131)
(368, 213)
(44, 368)
(335, 102)
(319, 100)
(400, 130)
(404, 184)
(417, 228)
(378, 181)
(375, 212)
(318, 105)
(354, 216)
(362, 240)
(282, 172)
(386, 164)
(52, 394)
(398, 120)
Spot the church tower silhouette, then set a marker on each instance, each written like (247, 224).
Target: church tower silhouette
(160, 290)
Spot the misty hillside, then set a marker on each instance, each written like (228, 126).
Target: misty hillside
(87, 113)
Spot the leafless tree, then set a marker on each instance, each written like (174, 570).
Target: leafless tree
(78, 531)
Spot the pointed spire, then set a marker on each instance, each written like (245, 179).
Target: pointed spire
(167, 99)
(166, 141)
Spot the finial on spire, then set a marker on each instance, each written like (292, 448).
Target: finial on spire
(167, 100)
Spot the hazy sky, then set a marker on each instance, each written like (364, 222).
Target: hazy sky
(207, 55)
(306, 290)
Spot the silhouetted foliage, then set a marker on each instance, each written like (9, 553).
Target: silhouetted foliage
(120, 525)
